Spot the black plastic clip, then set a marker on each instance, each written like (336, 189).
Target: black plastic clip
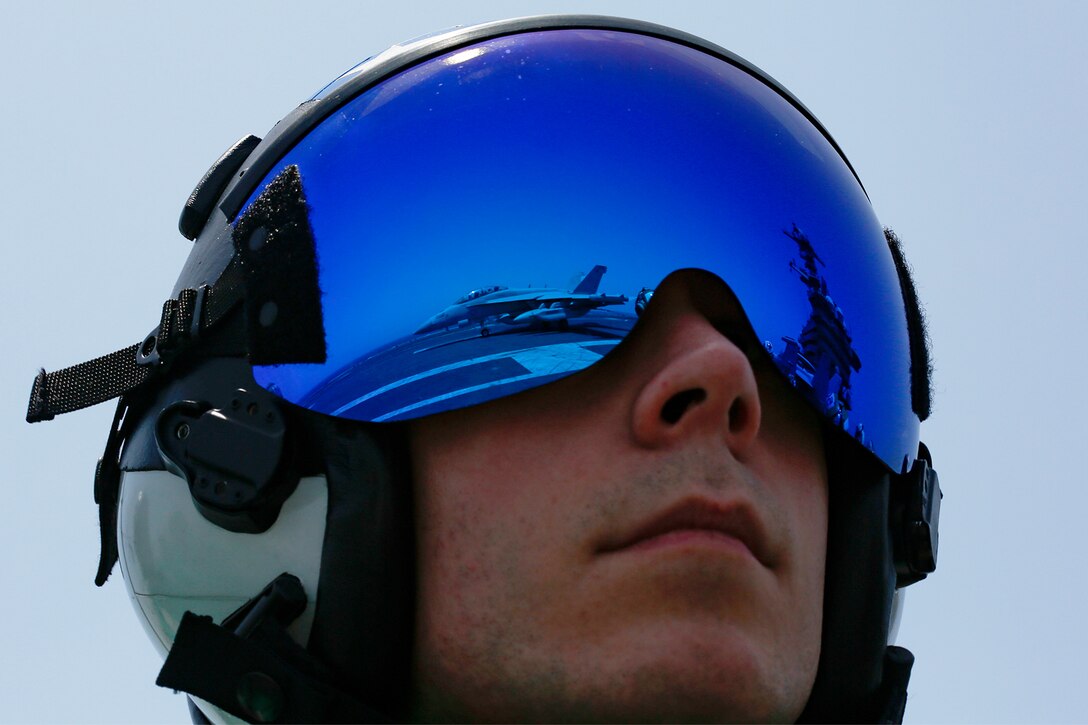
(180, 325)
(251, 668)
(198, 207)
(283, 599)
(915, 521)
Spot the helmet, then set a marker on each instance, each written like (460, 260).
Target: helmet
(456, 220)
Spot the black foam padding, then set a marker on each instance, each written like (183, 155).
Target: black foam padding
(365, 612)
(276, 246)
(859, 584)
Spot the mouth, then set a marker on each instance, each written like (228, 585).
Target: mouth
(698, 522)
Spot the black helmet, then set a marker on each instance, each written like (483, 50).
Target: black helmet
(456, 220)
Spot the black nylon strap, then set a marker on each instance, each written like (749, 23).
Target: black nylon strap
(86, 384)
(183, 320)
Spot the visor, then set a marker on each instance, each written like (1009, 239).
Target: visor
(495, 218)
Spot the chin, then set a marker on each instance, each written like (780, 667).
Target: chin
(694, 677)
(691, 670)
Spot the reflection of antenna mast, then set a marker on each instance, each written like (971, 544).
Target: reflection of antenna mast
(822, 357)
(808, 253)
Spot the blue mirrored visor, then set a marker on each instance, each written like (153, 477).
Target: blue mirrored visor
(495, 218)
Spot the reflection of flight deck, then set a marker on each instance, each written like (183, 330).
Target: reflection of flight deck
(543, 306)
(546, 333)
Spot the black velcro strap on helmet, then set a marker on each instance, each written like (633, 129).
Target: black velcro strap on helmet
(265, 678)
(275, 244)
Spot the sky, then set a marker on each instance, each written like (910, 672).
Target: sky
(965, 121)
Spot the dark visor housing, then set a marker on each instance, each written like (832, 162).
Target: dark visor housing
(493, 217)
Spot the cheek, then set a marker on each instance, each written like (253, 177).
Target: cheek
(796, 467)
(795, 471)
(493, 556)
(458, 579)
(806, 503)
(493, 492)
(461, 502)
(811, 534)
(486, 532)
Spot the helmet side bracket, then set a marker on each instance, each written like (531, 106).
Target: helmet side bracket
(914, 515)
(232, 455)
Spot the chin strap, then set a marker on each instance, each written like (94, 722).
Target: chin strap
(251, 668)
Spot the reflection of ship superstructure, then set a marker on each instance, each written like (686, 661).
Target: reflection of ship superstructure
(822, 358)
(543, 306)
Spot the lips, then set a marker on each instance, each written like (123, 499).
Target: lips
(684, 521)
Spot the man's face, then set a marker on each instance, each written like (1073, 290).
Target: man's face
(641, 541)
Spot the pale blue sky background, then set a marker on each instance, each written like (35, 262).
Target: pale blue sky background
(966, 122)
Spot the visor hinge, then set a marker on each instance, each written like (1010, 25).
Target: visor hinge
(915, 521)
(232, 455)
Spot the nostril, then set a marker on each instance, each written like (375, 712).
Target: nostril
(738, 415)
(677, 405)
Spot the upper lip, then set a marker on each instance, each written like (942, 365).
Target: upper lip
(736, 519)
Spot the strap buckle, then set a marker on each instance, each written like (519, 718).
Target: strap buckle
(180, 326)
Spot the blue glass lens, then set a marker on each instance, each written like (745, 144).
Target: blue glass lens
(491, 219)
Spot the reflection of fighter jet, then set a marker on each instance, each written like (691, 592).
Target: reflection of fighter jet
(545, 306)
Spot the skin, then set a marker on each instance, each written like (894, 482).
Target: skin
(528, 611)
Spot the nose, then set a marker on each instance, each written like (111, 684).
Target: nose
(705, 386)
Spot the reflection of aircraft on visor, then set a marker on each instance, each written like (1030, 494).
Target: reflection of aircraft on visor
(544, 306)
